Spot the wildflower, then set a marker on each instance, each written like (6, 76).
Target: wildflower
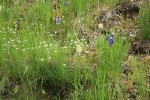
(43, 91)
(64, 64)
(4, 45)
(45, 45)
(11, 40)
(132, 35)
(107, 38)
(68, 35)
(78, 49)
(100, 26)
(42, 59)
(49, 58)
(111, 41)
(58, 20)
(64, 47)
(66, 3)
(44, 41)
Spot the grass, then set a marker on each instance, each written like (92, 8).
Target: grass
(38, 57)
(143, 22)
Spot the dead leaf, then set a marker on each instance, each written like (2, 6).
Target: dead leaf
(43, 91)
(146, 59)
(16, 89)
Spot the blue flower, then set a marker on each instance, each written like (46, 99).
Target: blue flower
(58, 19)
(111, 41)
(66, 3)
(107, 38)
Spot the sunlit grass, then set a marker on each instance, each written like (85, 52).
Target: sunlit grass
(42, 53)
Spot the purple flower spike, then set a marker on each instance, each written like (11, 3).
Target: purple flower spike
(107, 38)
(58, 19)
(110, 44)
(66, 3)
(111, 41)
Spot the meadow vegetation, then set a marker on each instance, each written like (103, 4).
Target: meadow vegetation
(44, 56)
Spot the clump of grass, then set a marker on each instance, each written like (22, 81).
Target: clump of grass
(144, 21)
(118, 50)
(103, 82)
(110, 62)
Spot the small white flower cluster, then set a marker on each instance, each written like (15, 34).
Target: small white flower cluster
(132, 34)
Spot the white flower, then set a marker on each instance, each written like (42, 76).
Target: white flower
(50, 44)
(68, 35)
(64, 64)
(44, 42)
(100, 26)
(12, 40)
(78, 49)
(132, 35)
(4, 45)
(42, 59)
(45, 45)
(64, 47)
(49, 58)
